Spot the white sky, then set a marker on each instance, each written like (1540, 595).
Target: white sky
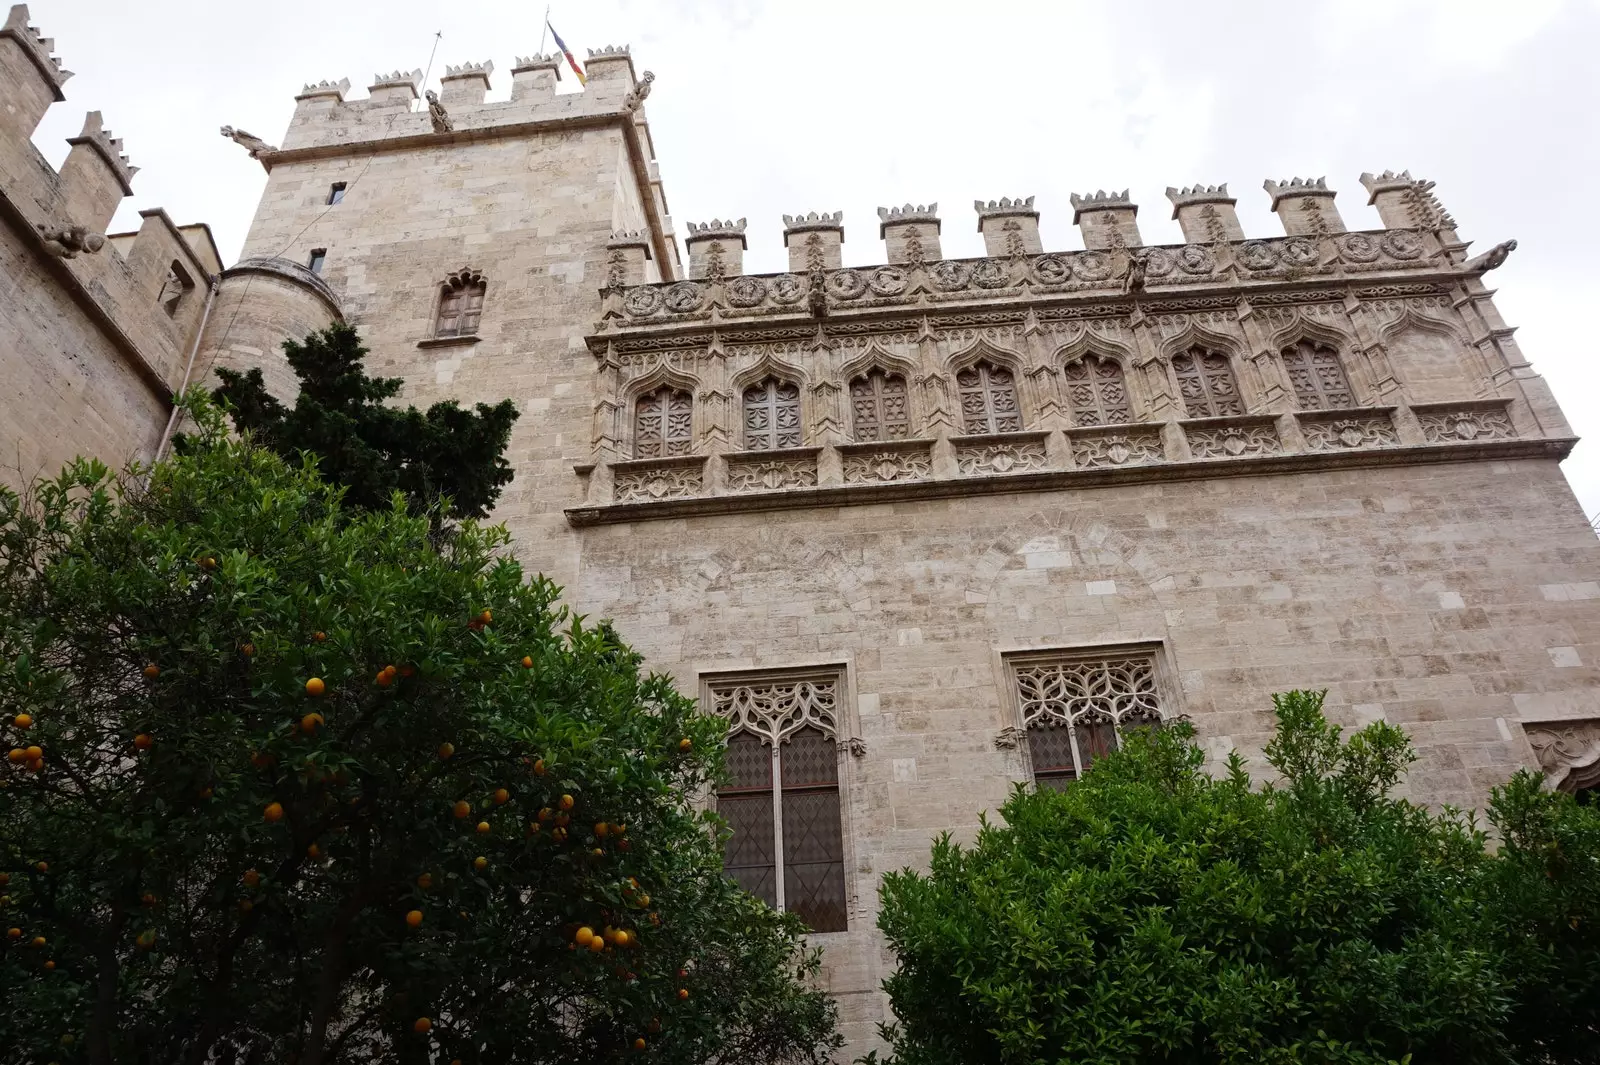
(765, 108)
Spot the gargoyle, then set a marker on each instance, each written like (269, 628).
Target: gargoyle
(1490, 259)
(637, 94)
(67, 241)
(249, 141)
(1135, 275)
(817, 299)
(437, 114)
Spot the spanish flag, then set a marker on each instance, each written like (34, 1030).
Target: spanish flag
(573, 63)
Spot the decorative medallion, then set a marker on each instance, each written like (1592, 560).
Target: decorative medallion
(846, 284)
(642, 302)
(746, 291)
(950, 275)
(1300, 251)
(1051, 270)
(1092, 266)
(991, 273)
(1403, 244)
(788, 288)
(684, 297)
(1196, 259)
(887, 281)
(1359, 248)
(1258, 255)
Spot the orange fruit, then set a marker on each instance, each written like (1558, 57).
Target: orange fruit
(18, 755)
(597, 944)
(501, 796)
(312, 722)
(618, 829)
(527, 661)
(273, 812)
(567, 802)
(251, 879)
(5, 878)
(13, 933)
(461, 809)
(313, 851)
(683, 993)
(638, 1044)
(559, 835)
(644, 900)
(584, 935)
(414, 918)
(146, 939)
(545, 813)
(248, 649)
(23, 721)
(314, 686)
(422, 1026)
(480, 863)
(38, 941)
(483, 827)
(43, 867)
(538, 767)
(685, 744)
(446, 750)
(485, 617)
(144, 741)
(36, 764)
(385, 679)
(425, 881)
(49, 965)
(152, 671)
(35, 753)
(319, 636)
(598, 853)
(147, 899)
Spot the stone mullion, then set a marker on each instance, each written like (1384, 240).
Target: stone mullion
(1269, 384)
(1157, 390)
(1377, 371)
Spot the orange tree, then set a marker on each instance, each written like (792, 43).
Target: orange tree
(287, 782)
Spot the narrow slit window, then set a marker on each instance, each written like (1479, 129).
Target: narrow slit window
(318, 257)
(336, 193)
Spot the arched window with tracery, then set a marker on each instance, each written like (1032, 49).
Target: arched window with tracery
(1097, 394)
(663, 423)
(771, 415)
(460, 305)
(988, 399)
(1206, 383)
(1318, 376)
(782, 801)
(878, 407)
(1075, 708)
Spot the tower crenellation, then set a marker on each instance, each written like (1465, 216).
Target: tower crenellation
(534, 77)
(814, 241)
(1106, 220)
(96, 175)
(466, 84)
(1009, 227)
(1305, 206)
(910, 233)
(1205, 213)
(398, 87)
(32, 76)
(716, 248)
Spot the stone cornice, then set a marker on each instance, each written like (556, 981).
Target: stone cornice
(1555, 448)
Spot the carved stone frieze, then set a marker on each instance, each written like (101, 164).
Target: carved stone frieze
(1011, 453)
(908, 460)
(1116, 445)
(1452, 423)
(642, 481)
(1229, 438)
(768, 471)
(1341, 430)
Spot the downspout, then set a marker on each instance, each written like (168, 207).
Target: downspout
(194, 350)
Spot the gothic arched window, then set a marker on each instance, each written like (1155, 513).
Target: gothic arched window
(460, 305)
(1205, 381)
(782, 802)
(1318, 377)
(1096, 391)
(988, 399)
(878, 407)
(771, 415)
(1075, 709)
(663, 421)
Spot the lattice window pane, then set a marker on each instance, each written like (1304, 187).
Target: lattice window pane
(749, 763)
(878, 407)
(1050, 750)
(663, 423)
(771, 415)
(1205, 380)
(1096, 391)
(748, 855)
(1094, 699)
(1318, 377)
(810, 758)
(988, 399)
(813, 858)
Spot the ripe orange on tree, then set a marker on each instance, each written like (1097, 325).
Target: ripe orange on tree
(43, 867)
(461, 809)
(446, 750)
(538, 767)
(13, 933)
(685, 744)
(319, 637)
(251, 879)
(315, 686)
(273, 812)
(414, 918)
(683, 993)
(501, 796)
(480, 863)
(638, 1044)
(38, 941)
(144, 741)
(422, 1026)
(23, 721)
(18, 755)
(567, 802)
(425, 881)
(527, 661)
(311, 722)
(152, 671)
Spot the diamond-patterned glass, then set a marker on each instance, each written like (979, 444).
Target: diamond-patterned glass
(988, 399)
(878, 407)
(748, 855)
(1205, 380)
(813, 858)
(810, 757)
(771, 415)
(1318, 377)
(1096, 391)
(663, 421)
(749, 762)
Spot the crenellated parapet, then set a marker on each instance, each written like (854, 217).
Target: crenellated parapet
(1009, 227)
(1205, 213)
(1305, 205)
(1106, 220)
(535, 76)
(911, 233)
(814, 241)
(334, 91)
(96, 175)
(400, 87)
(32, 76)
(466, 84)
(716, 248)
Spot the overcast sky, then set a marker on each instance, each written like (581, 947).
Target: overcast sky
(762, 108)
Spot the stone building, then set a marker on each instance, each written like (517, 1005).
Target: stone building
(921, 530)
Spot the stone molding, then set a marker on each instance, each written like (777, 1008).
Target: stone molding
(289, 271)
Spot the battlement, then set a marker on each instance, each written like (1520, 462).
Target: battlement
(1205, 213)
(37, 48)
(324, 89)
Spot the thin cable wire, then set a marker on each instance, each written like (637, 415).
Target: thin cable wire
(387, 130)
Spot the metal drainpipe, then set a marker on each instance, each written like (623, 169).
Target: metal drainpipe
(205, 316)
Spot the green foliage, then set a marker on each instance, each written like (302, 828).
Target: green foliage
(1152, 913)
(372, 449)
(161, 639)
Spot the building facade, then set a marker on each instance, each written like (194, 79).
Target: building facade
(927, 529)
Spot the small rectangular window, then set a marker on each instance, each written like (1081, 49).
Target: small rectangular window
(318, 256)
(336, 194)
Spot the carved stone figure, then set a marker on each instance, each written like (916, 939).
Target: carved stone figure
(68, 241)
(817, 298)
(637, 94)
(1490, 259)
(1137, 264)
(437, 114)
(249, 141)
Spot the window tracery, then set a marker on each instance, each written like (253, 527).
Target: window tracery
(1206, 383)
(460, 305)
(1076, 708)
(1097, 393)
(1318, 376)
(771, 415)
(988, 399)
(663, 423)
(878, 407)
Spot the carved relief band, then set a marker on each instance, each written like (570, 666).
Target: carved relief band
(1000, 453)
(1341, 430)
(885, 461)
(641, 480)
(1116, 445)
(1229, 438)
(1454, 423)
(772, 471)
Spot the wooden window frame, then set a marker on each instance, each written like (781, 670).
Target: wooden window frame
(877, 380)
(1103, 414)
(990, 423)
(764, 394)
(666, 442)
(1207, 399)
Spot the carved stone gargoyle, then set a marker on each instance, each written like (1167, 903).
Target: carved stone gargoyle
(249, 141)
(1490, 259)
(437, 114)
(67, 242)
(1134, 278)
(637, 94)
(817, 298)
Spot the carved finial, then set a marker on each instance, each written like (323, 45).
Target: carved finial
(637, 94)
(249, 141)
(38, 48)
(96, 136)
(68, 241)
(609, 50)
(1490, 259)
(437, 114)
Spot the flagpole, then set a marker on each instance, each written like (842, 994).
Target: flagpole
(544, 31)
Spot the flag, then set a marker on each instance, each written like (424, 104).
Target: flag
(571, 62)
